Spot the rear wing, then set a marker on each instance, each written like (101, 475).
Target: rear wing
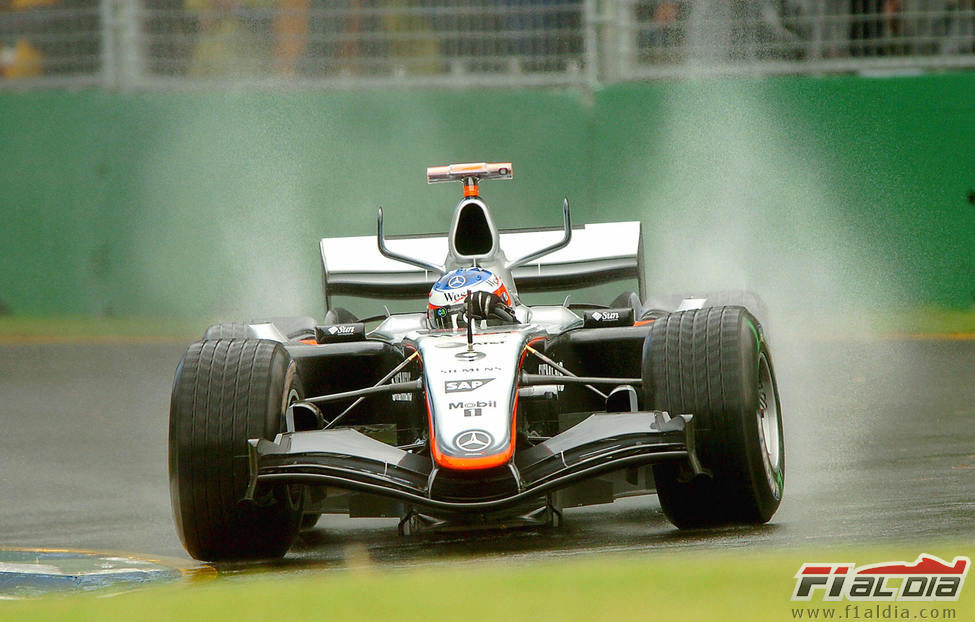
(598, 253)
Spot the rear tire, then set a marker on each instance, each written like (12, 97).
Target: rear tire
(713, 363)
(226, 392)
(752, 302)
(226, 330)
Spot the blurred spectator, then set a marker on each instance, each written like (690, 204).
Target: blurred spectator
(717, 31)
(662, 37)
(48, 37)
(248, 38)
(953, 27)
(229, 41)
(20, 22)
(413, 46)
(373, 38)
(349, 46)
(20, 60)
(541, 34)
(874, 24)
(831, 28)
(345, 47)
(786, 29)
(170, 31)
(893, 27)
(290, 35)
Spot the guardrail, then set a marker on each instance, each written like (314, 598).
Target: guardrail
(153, 44)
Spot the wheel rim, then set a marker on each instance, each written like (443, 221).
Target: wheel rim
(769, 426)
(293, 494)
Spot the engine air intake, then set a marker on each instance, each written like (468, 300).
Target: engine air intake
(473, 235)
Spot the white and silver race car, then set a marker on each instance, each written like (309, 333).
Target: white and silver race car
(478, 410)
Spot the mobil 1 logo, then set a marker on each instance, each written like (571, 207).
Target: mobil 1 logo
(472, 409)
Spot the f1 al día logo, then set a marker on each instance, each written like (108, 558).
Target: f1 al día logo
(927, 579)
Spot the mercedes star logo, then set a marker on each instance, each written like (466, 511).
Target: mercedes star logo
(473, 440)
(456, 281)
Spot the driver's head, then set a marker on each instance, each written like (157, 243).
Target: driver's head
(446, 307)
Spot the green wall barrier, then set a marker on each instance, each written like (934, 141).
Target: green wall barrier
(213, 204)
(812, 190)
(836, 192)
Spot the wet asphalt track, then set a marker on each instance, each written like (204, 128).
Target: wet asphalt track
(880, 441)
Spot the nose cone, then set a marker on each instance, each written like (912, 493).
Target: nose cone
(471, 397)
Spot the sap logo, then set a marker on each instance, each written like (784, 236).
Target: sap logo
(460, 386)
(606, 316)
(478, 405)
(341, 329)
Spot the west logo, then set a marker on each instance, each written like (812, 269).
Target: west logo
(460, 386)
(928, 579)
(454, 297)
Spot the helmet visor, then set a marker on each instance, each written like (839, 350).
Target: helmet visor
(447, 317)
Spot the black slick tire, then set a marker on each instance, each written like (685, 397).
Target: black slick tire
(227, 391)
(226, 330)
(714, 364)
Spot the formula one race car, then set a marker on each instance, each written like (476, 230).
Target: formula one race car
(478, 410)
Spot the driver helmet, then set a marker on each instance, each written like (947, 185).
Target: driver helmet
(446, 307)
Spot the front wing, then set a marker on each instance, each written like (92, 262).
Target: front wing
(347, 459)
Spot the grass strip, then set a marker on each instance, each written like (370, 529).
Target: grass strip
(72, 329)
(735, 585)
(921, 322)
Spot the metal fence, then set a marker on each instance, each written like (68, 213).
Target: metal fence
(144, 44)
(672, 38)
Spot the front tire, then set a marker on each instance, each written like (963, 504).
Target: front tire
(227, 391)
(714, 364)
